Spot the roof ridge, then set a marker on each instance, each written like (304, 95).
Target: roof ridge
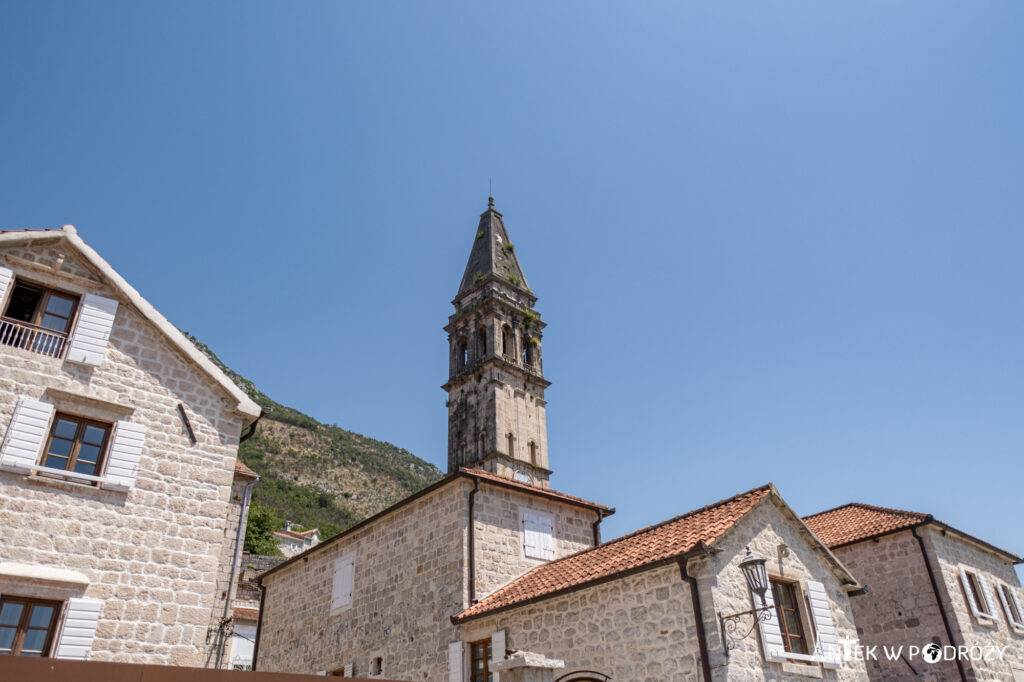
(864, 505)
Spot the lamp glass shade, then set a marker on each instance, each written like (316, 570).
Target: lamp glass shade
(755, 573)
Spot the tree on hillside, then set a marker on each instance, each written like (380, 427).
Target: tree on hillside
(259, 537)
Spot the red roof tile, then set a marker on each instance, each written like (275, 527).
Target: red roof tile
(647, 546)
(240, 468)
(239, 613)
(855, 522)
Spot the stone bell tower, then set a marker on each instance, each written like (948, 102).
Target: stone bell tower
(496, 419)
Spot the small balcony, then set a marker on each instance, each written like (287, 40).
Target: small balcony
(32, 338)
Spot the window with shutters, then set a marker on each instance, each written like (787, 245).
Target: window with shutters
(27, 626)
(341, 592)
(76, 445)
(788, 599)
(976, 593)
(38, 319)
(1011, 604)
(479, 661)
(538, 535)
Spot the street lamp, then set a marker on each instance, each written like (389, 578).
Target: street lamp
(753, 568)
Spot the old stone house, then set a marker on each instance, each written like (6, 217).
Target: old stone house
(121, 499)
(246, 608)
(489, 573)
(929, 584)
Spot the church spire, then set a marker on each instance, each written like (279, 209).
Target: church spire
(496, 406)
(493, 254)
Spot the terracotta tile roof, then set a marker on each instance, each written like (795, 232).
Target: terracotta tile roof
(642, 548)
(856, 521)
(510, 483)
(294, 534)
(240, 613)
(240, 468)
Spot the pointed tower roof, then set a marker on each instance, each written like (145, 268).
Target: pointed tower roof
(493, 254)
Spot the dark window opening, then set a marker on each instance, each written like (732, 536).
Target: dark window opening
(41, 307)
(481, 340)
(533, 453)
(479, 660)
(788, 611)
(510, 443)
(507, 342)
(378, 666)
(483, 443)
(463, 354)
(529, 351)
(27, 626)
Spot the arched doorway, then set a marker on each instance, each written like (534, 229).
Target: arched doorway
(584, 676)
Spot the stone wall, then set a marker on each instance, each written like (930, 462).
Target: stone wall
(900, 608)
(951, 552)
(409, 578)
(640, 627)
(150, 554)
(766, 529)
(499, 534)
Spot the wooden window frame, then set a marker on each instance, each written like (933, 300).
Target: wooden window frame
(44, 300)
(76, 444)
(797, 599)
(473, 675)
(22, 627)
(1013, 615)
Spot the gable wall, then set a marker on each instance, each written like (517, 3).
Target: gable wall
(900, 608)
(151, 554)
(499, 534)
(764, 529)
(409, 578)
(639, 627)
(953, 552)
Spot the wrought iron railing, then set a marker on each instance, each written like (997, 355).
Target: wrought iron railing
(32, 337)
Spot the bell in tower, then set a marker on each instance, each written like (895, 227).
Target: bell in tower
(496, 416)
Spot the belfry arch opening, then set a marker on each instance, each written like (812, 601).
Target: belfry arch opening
(507, 340)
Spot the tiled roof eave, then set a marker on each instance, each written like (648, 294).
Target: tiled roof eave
(700, 550)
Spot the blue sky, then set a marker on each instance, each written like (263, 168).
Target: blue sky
(772, 241)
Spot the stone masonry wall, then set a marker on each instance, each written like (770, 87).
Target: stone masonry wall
(409, 578)
(952, 552)
(637, 628)
(900, 608)
(499, 534)
(150, 554)
(764, 530)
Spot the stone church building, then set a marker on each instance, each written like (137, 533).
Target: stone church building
(491, 574)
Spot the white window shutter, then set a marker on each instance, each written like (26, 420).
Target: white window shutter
(1006, 604)
(341, 592)
(25, 435)
(347, 671)
(88, 342)
(531, 541)
(1016, 600)
(6, 275)
(771, 635)
(498, 646)
(821, 614)
(455, 662)
(80, 622)
(123, 457)
(969, 594)
(986, 590)
(547, 545)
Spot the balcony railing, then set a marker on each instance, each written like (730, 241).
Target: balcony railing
(32, 338)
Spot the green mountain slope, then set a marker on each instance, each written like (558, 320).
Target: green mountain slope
(321, 475)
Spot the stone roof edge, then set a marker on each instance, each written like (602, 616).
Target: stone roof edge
(846, 579)
(246, 405)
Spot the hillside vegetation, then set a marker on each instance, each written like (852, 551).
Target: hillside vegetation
(321, 475)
